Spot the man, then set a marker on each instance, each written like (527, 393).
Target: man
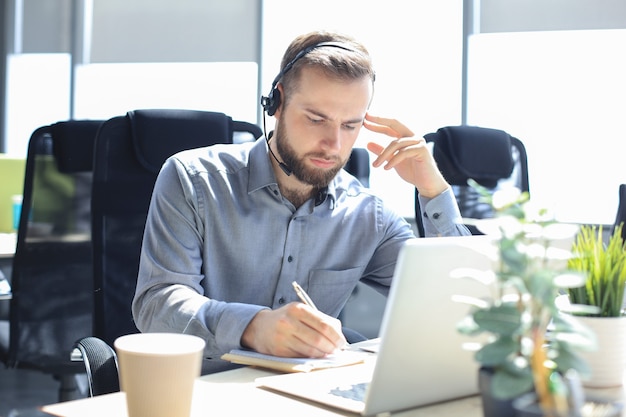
(231, 226)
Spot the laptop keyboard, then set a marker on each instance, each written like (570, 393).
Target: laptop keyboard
(354, 392)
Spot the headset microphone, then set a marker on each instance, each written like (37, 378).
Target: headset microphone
(282, 165)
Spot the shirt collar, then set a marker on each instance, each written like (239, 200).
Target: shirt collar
(262, 174)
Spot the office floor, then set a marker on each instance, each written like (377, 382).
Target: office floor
(21, 389)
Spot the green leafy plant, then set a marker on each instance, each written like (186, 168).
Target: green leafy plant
(605, 267)
(531, 346)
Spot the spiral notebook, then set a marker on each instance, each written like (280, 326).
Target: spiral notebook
(421, 359)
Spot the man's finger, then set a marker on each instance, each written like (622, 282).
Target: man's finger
(375, 148)
(378, 128)
(390, 127)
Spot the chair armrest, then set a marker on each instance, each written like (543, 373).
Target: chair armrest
(100, 365)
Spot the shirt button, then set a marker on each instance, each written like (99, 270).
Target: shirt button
(436, 215)
(281, 300)
(290, 258)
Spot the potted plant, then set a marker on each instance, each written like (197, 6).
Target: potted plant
(604, 265)
(532, 348)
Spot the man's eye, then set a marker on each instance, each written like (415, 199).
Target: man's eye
(349, 127)
(316, 121)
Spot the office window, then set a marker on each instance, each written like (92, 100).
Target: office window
(417, 50)
(107, 90)
(37, 94)
(563, 93)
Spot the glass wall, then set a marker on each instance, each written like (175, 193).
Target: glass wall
(417, 49)
(545, 71)
(96, 59)
(563, 93)
(37, 93)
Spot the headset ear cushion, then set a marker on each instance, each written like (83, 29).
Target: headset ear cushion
(273, 102)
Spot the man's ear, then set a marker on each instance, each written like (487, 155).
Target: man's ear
(280, 96)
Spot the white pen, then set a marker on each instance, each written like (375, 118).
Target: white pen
(303, 295)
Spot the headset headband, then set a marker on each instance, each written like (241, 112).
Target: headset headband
(271, 102)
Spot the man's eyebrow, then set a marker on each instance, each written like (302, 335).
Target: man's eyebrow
(355, 121)
(347, 122)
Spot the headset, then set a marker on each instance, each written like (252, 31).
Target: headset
(271, 102)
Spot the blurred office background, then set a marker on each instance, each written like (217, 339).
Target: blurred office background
(550, 72)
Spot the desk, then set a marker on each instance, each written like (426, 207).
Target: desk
(8, 241)
(235, 391)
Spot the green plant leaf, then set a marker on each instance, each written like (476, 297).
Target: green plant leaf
(568, 359)
(497, 352)
(532, 270)
(503, 319)
(468, 326)
(605, 266)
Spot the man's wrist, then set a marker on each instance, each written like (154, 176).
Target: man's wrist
(248, 336)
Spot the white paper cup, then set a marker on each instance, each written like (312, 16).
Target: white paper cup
(158, 371)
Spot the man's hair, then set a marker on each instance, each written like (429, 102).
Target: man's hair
(351, 63)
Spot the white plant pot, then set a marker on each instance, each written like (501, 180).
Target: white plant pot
(608, 362)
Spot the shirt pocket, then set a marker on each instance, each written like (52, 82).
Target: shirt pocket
(331, 289)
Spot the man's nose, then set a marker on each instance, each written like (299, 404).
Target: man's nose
(332, 137)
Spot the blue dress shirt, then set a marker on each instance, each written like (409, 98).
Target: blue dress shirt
(221, 243)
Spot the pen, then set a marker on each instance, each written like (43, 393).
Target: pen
(303, 295)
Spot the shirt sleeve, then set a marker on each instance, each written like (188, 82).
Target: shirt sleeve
(441, 215)
(169, 296)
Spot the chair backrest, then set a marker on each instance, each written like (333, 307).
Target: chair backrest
(128, 155)
(359, 165)
(491, 157)
(620, 217)
(52, 274)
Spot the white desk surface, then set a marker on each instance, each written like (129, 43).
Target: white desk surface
(8, 242)
(235, 392)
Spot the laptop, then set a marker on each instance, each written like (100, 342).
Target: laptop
(421, 358)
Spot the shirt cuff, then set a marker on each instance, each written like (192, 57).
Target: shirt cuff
(232, 324)
(441, 215)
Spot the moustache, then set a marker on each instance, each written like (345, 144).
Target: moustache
(324, 156)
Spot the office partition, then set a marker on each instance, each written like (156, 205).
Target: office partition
(416, 46)
(563, 93)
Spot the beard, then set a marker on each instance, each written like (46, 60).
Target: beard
(316, 177)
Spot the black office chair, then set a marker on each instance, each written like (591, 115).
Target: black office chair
(620, 217)
(491, 157)
(359, 165)
(128, 155)
(52, 278)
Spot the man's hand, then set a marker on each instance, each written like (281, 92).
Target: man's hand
(407, 154)
(295, 330)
